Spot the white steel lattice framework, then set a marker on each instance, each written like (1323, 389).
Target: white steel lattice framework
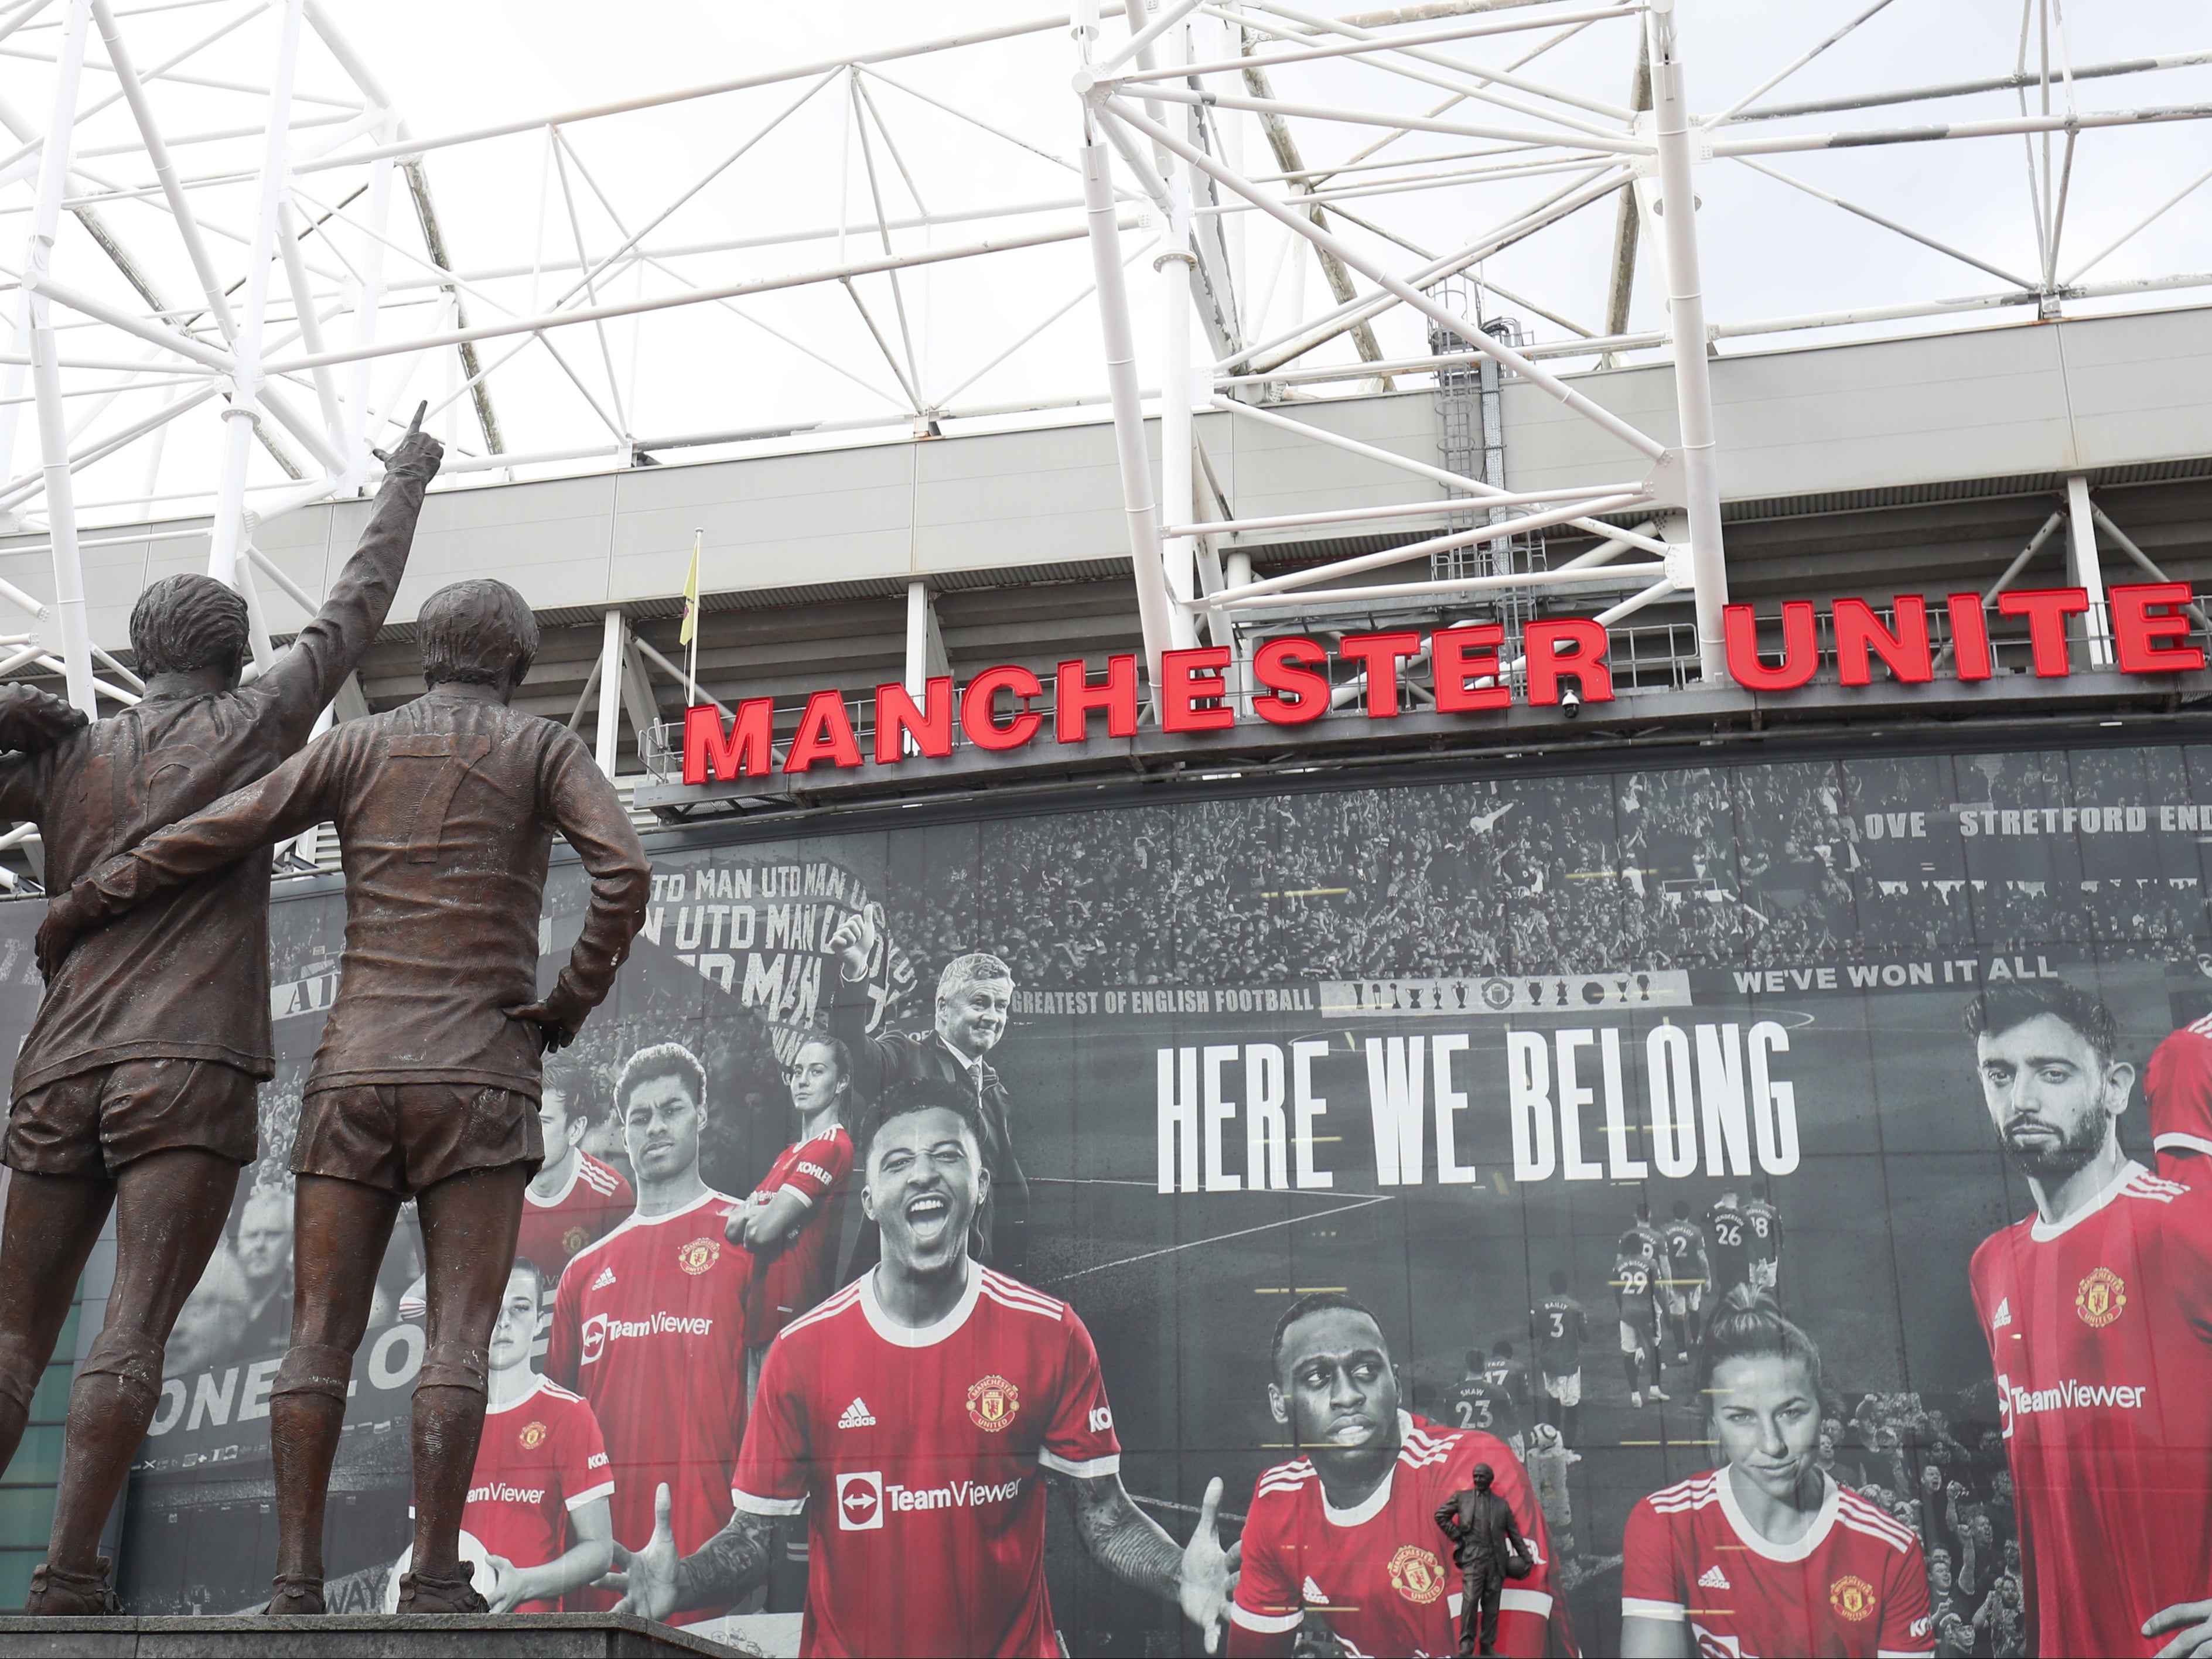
(1128, 93)
(219, 256)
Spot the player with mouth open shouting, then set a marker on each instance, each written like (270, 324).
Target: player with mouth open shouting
(915, 1417)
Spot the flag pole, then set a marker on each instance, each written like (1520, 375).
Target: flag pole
(690, 632)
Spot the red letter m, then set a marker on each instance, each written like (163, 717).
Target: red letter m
(740, 752)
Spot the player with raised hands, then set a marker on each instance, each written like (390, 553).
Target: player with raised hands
(915, 1417)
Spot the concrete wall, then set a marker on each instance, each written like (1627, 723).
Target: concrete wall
(2027, 398)
(1995, 402)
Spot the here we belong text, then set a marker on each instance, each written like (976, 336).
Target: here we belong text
(1253, 1117)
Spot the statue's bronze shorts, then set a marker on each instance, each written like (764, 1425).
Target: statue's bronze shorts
(408, 1137)
(93, 1123)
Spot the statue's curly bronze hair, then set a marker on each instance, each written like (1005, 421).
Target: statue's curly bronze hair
(476, 633)
(188, 622)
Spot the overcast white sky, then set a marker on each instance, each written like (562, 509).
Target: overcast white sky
(1769, 251)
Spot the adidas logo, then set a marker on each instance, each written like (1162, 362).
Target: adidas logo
(2003, 1316)
(606, 1278)
(1313, 1594)
(857, 1416)
(1714, 1579)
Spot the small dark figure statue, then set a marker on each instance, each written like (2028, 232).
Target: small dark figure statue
(136, 1086)
(1488, 1547)
(427, 1081)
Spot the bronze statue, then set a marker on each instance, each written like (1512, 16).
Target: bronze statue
(426, 1080)
(137, 1085)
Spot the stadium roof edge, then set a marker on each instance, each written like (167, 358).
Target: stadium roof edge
(1974, 414)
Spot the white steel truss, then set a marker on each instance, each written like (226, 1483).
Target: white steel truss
(235, 278)
(1128, 92)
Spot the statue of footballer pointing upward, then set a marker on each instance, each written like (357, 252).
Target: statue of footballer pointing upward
(426, 1084)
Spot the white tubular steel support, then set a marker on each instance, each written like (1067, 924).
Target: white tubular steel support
(917, 639)
(610, 671)
(1251, 592)
(369, 295)
(1686, 304)
(311, 335)
(75, 640)
(1452, 480)
(1400, 510)
(1626, 575)
(157, 153)
(2082, 567)
(307, 846)
(227, 537)
(1153, 605)
(1178, 553)
(1174, 268)
(1115, 109)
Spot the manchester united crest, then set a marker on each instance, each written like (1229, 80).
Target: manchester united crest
(574, 1240)
(1852, 1598)
(699, 1254)
(2100, 1298)
(1416, 1574)
(532, 1436)
(991, 1403)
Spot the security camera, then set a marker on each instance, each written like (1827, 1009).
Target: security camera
(1570, 703)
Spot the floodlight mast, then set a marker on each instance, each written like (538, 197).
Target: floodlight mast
(1698, 451)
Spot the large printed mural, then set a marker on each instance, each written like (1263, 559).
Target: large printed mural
(1785, 1175)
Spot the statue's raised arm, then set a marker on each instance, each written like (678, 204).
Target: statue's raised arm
(136, 1087)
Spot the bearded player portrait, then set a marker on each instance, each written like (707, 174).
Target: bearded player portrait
(2098, 1312)
(916, 1418)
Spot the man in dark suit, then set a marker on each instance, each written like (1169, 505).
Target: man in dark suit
(1484, 1535)
(974, 994)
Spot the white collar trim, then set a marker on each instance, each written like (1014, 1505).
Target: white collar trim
(710, 1196)
(1832, 1503)
(2174, 1138)
(2044, 1231)
(576, 1171)
(536, 1385)
(1371, 1505)
(1368, 1507)
(927, 1336)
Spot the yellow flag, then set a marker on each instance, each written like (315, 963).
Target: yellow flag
(691, 592)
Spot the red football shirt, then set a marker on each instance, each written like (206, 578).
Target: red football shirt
(1853, 1587)
(2178, 1084)
(2100, 1334)
(1381, 1573)
(797, 1277)
(649, 1326)
(590, 1206)
(541, 1459)
(922, 1452)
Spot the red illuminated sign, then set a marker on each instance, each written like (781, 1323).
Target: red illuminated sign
(1560, 654)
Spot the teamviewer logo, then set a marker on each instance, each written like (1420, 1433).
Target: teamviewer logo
(594, 1334)
(860, 1501)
